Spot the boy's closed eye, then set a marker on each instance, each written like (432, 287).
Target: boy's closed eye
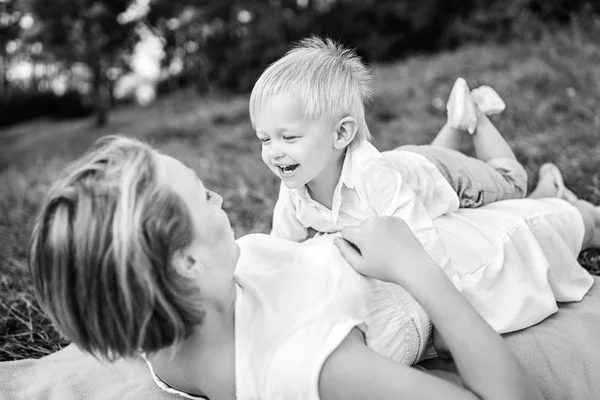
(263, 139)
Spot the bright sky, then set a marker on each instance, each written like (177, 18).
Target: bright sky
(136, 10)
(145, 61)
(146, 58)
(147, 55)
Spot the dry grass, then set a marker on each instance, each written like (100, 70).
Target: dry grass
(551, 88)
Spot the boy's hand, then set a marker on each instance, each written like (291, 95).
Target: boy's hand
(387, 250)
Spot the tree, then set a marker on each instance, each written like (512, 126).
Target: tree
(10, 31)
(87, 31)
(224, 43)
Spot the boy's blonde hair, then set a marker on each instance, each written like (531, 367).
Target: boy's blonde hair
(330, 81)
(101, 250)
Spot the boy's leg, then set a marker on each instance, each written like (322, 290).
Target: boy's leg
(498, 175)
(448, 137)
(476, 182)
(467, 114)
(488, 142)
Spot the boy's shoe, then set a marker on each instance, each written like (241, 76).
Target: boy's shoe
(562, 192)
(488, 100)
(461, 106)
(462, 114)
(551, 184)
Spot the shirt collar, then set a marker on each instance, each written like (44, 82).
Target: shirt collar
(356, 157)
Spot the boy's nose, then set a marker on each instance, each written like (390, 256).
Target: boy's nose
(276, 151)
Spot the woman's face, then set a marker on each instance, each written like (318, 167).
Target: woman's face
(213, 252)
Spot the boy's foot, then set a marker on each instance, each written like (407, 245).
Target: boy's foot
(488, 100)
(462, 114)
(551, 184)
(462, 104)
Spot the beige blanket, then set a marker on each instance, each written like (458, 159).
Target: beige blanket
(562, 353)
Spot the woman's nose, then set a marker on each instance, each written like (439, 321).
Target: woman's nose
(218, 199)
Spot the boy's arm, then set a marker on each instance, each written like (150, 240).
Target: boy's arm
(389, 195)
(285, 223)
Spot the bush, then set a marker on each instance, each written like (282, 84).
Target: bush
(380, 30)
(22, 106)
(501, 20)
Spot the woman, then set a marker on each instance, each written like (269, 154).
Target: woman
(132, 254)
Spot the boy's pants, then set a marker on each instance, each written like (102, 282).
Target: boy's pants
(476, 182)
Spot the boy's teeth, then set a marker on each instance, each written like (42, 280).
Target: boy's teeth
(288, 169)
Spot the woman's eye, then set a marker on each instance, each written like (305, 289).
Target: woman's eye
(263, 140)
(288, 138)
(208, 195)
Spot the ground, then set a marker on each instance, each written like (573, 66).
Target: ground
(551, 88)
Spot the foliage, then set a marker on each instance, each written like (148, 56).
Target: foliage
(224, 45)
(228, 43)
(10, 30)
(27, 105)
(86, 31)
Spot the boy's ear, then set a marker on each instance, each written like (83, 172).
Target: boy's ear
(187, 265)
(345, 130)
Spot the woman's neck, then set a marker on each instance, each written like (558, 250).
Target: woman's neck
(203, 363)
(321, 188)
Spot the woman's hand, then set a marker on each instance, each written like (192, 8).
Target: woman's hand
(387, 250)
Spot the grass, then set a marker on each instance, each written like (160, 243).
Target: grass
(551, 88)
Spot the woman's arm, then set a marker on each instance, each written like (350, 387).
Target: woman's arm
(486, 365)
(354, 371)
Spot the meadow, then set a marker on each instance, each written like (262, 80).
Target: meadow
(551, 87)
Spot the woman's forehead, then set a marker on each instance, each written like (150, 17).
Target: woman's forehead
(177, 174)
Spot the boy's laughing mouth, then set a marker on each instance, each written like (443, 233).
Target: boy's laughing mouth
(288, 170)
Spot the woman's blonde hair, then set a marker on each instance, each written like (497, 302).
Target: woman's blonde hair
(330, 81)
(101, 250)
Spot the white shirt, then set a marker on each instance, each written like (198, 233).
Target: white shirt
(297, 302)
(394, 183)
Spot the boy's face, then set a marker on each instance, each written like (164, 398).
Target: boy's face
(296, 150)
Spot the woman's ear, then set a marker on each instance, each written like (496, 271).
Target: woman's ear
(345, 130)
(187, 265)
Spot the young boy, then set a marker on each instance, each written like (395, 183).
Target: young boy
(308, 111)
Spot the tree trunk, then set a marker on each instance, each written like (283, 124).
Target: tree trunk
(4, 84)
(101, 93)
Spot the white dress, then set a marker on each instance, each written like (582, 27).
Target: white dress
(517, 258)
(297, 301)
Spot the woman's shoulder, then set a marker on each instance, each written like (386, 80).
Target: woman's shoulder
(292, 299)
(291, 369)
